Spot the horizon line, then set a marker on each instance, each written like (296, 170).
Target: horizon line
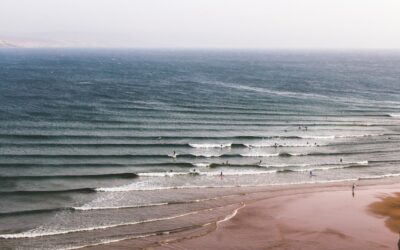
(205, 48)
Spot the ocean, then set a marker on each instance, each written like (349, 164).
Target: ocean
(99, 146)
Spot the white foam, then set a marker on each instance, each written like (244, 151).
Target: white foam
(239, 173)
(338, 136)
(255, 154)
(38, 233)
(222, 145)
(271, 91)
(379, 176)
(258, 145)
(285, 145)
(285, 165)
(88, 208)
(297, 154)
(363, 135)
(130, 187)
(394, 115)
(310, 165)
(207, 155)
(231, 215)
(108, 241)
(201, 165)
(318, 137)
(161, 174)
(318, 168)
(230, 173)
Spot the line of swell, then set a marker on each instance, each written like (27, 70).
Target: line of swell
(156, 145)
(190, 156)
(185, 126)
(96, 165)
(164, 232)
(91, 208)
(88, 208)
(275, 169)
(35, 211)
(285, 166)
(34, 234)
(65, 165)
(353, 165)
(97, 176)
(43, 192)
(75, 136)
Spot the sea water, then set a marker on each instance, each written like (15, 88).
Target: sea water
(98, 146)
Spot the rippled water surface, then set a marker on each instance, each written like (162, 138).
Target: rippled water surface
(97, 146)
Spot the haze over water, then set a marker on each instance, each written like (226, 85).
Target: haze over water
(87, 137)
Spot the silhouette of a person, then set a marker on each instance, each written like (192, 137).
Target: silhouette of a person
(398, 243)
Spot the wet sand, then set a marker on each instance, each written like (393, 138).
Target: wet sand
(320, 220)
(305, 217)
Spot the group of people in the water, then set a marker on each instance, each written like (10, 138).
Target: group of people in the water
(311, 174)
(305, 128)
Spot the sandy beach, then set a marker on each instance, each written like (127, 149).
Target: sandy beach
(319, 216)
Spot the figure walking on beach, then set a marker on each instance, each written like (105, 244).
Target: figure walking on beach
(353, 188)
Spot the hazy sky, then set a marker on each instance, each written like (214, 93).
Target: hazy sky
(206, 23)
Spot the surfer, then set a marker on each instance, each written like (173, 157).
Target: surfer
(259, 163)
(341, 160)
(311, 174)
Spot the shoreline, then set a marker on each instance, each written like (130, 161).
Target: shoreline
(273, 219)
